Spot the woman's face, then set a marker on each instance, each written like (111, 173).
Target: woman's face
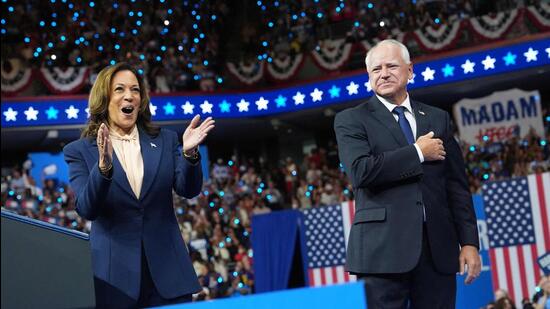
(124, 102)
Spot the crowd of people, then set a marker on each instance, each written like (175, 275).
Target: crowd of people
(178, 47)
(515, 157)
(540, 300)
(174, 45)
(299, 26)
(216, 224)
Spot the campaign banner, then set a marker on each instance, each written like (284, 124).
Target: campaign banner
(499, 116)
(544, 263)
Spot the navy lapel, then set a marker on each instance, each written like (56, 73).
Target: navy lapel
(119, 175)
(423, 125)
(151, 151)
(380, 112)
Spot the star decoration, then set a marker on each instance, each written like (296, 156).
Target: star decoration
(224, 106)
(316, 95)
(368, 86)
(51, 113)
(87, 110)
(548, 51)
(488, 63)
(411, 81)
(243, 106)
(188, 108)
(262, 103)
(334, 92)
(509, 59)
(448, 70)
(298, 98)
(281, 101)
(10, 115)
(428, 74)
(169, 108)
(31, 113)
(206, 107)
(72, 112)
(531, 55)
(153, 109)
(352, 88)
(468, 66)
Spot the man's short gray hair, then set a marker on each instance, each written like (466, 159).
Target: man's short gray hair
(404, 51)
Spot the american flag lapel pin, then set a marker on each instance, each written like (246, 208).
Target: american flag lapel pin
(153, 145)
(421, 113)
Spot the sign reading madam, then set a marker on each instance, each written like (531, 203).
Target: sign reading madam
(499, 116)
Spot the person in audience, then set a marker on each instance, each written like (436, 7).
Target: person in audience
(542, 299)
(123, 171)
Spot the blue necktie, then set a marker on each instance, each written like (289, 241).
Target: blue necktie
(404, 124)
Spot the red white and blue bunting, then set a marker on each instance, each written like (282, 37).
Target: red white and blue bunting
(447, 69)
(396, 35)
(247, 73)
(438, 38)
(368, 44)
(285, 67)
(65, 81)
(540, 15)
(332, 54)
(494, 26)
(15, 77)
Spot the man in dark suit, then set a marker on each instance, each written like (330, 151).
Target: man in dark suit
(414, 225)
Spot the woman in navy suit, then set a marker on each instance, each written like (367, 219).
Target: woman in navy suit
(123, 171)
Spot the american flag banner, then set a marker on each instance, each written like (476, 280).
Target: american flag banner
(517, 217)
(327, 232)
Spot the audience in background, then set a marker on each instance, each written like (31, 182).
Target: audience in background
(184, 46)
(216, 224)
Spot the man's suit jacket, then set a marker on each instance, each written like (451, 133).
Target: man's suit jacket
(123, 223)
(392, 188)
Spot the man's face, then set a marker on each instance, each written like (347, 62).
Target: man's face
(388, 72)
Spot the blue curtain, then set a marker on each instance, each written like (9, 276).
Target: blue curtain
(274, 237)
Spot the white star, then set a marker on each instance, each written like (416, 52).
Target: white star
(188, 108)
(72, 112)
(368, 86)
(531, 55)
(10, 114)
(316, 95)
(352, 88)
(488, 63)
(298, 98)
(468, 66)
(153, 109)
(428, 74)
(548, 51)
(87, 112)
(411, 81)
(243, 106)
(206, 107)
(31, 114)
(262, 103)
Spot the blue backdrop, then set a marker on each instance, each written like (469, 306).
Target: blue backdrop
(47, 165)
(480, 292)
